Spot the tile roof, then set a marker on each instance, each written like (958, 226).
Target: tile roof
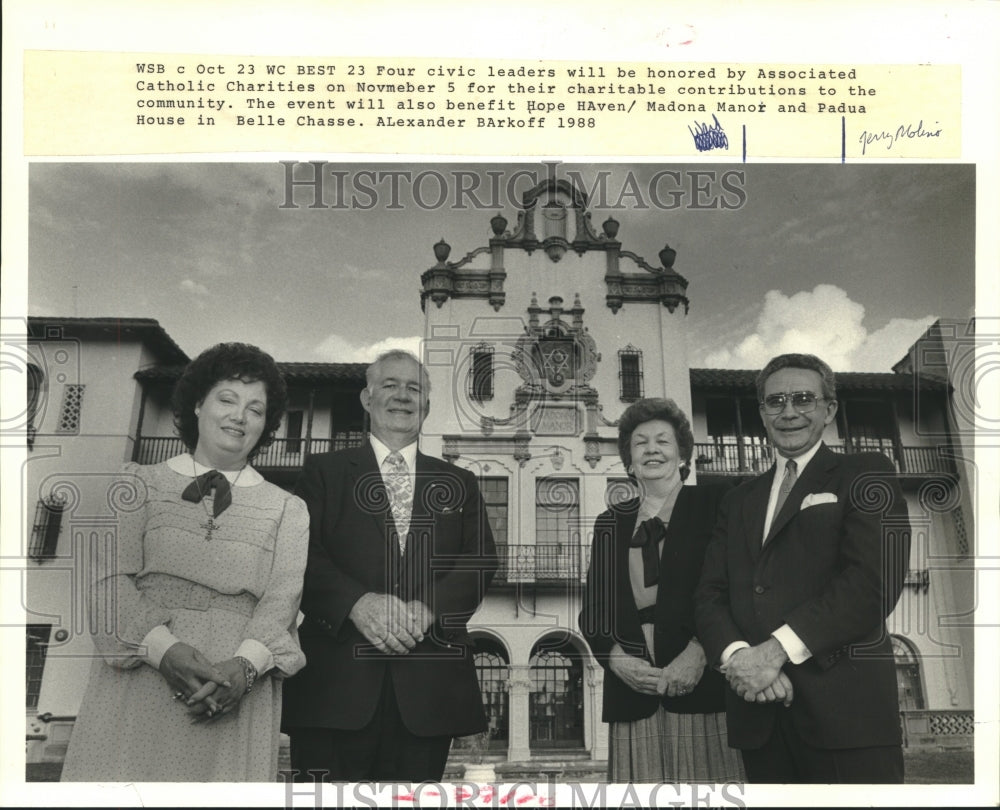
(147, 330)
(741, 379)
(292, 372)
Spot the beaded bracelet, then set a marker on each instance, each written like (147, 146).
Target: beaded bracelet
(249, 672)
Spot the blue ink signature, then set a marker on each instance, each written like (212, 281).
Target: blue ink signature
(706, 137)
(902, 132)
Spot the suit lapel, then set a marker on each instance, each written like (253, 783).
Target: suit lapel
(420, 515)
(369, 491)
(755, 512)
(816, 473)
(677, 530)
(676, 526)
(625, 521)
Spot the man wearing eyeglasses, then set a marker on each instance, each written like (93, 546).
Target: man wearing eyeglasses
(806, 562)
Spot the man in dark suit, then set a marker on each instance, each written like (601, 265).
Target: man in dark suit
(805, 564)
(400, 556)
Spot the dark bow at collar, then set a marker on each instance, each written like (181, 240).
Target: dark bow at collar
(648, 538)
(201, 486)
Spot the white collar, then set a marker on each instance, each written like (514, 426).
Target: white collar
(800, 461)
(409, 453)
(184, 464)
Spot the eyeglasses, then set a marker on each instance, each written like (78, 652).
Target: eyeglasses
(802, 402)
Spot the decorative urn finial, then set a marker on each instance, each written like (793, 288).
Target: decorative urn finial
(442, 250)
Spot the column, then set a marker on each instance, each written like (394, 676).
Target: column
(597, 732)
(519, 687)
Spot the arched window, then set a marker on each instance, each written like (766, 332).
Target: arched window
(556, 697)
(493, 670)
(910, 688)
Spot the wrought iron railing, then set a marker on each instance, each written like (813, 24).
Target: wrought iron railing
(542, 562)
(733, 458)
(926, 460)
(154, 449)
(282, 454)
(729, 458)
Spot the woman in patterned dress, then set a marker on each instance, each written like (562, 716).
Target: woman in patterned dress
(665, 707)
(194, 602)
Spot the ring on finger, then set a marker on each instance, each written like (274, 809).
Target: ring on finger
(177, 696)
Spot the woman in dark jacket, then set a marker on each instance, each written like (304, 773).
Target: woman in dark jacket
(665, 706)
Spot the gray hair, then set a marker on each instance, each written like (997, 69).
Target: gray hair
(810, 362)
(397, 354)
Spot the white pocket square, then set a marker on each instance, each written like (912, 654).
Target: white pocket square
(816, 498)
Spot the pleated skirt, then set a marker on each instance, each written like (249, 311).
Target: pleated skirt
(668, 747)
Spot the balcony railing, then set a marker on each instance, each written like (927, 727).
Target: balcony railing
(541, 562)
(154, 449)
(925, 460)
(292, 453)
(710, 457)
(731, 458)
(282, 454)
(726, 457)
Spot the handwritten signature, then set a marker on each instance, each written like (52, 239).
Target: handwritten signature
(907, 131)
(706, 137)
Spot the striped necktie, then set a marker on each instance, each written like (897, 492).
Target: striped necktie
(791, 476)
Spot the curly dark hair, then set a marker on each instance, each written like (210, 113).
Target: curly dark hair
(228, 361)
(646, 410)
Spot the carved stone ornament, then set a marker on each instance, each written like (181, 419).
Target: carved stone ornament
(558, 357)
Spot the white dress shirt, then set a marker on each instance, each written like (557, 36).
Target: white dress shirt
(409, 454)
(793, 646)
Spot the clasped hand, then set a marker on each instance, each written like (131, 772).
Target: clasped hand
(755, 673)
(209, 690)
(393, 626)
(678, 678)
(682, 674)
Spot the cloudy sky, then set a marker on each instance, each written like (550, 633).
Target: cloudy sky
(850, 262)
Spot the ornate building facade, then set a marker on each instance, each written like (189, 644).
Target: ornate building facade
(535, 341)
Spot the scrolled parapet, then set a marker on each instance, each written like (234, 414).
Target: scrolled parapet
(449, 280)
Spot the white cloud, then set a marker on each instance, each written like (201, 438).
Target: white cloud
(338, 349)
(193, 287)
(886, 346)
(824, 322)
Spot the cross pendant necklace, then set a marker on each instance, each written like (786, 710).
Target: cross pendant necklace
(209, 526)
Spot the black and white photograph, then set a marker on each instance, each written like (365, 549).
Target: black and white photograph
(538, 449)
(558, 310)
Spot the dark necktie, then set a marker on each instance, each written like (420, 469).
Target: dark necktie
(201, 485)
(648, 538)
(791, 476)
